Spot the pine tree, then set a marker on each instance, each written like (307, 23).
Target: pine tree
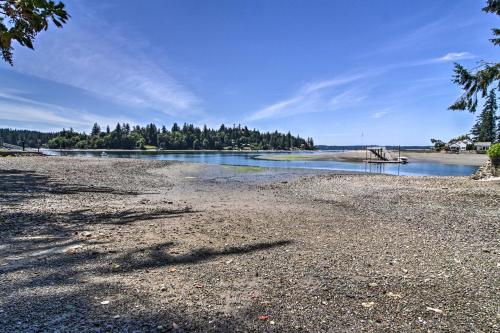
(484, 130)
(95, 130)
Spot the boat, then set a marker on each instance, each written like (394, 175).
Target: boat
(402, 160)
(104, 154)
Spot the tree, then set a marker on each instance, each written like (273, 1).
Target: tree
(485, 128)
(438, 144)
(478, 80)
(95, 129)
(22, 20)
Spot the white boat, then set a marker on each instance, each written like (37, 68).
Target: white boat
(104, 154)
(403, 160)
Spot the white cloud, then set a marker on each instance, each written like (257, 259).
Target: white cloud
(95, 57)
(317, 96)
(454, 56)
(379, 114)
(17, 108)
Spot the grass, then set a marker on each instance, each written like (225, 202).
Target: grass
(243, 168)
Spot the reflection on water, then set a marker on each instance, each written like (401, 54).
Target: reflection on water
(247, 159)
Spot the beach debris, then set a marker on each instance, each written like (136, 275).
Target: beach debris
(391, 294)
(86, 234)
(436, 310)
(105, 302)
(116, 317)
(324, 303)
(263, 317)
(373, 284)
(272, 322)
(368, 305)
(163, 287)
(115, 266)
(229, 261)
(198, 285)
(172, 270)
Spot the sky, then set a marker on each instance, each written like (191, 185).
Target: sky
(342, 72)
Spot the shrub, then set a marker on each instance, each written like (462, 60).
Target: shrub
(494, 154)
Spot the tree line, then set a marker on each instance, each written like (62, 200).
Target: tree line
(30, 138)
(187, 137)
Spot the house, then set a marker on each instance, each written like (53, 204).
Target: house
(458, 146)
(482, 147)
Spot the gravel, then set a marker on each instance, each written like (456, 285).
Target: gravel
(122, 245)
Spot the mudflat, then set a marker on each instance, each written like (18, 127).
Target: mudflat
(464, 158)
(97, 244)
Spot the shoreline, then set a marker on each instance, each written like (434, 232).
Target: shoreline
(137, 245)
(359, 156)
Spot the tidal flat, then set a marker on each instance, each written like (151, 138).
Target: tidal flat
(137, 245)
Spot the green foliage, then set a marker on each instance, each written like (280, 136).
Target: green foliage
(438, 144)
(478, 81)
(494, 154)
(188, 137)
(30, 138)
(485, 128)
(22, 20)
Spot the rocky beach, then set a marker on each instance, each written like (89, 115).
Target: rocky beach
(124, 245)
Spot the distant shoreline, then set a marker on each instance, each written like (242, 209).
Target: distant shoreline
(359, 156)
(181, 150)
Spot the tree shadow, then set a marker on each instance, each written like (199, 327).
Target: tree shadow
(78, 297)
(85, 309)
(17, 186)
(156, 256)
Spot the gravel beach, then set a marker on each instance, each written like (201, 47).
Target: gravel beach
(123, 245)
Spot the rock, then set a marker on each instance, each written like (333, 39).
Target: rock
(436, 310)
(368, 305)
(485, 171)
(393, 295)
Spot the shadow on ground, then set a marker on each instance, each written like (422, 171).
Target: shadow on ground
(60, 292)
(17, 186)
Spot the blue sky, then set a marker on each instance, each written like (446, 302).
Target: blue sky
(331, 70)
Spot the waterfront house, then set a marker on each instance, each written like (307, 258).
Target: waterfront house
(458, 146)
(482, 147)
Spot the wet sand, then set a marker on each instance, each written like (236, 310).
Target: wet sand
(93, 244)
(466, 158)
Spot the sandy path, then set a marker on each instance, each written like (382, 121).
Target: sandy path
(124, 245)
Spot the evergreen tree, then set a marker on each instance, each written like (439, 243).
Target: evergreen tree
(95, 129)
(478, 81)
(485, 128)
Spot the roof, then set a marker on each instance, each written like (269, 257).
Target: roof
(483, 143)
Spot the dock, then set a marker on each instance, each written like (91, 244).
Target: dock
(378, 154)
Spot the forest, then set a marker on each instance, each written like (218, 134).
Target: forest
(187, 137)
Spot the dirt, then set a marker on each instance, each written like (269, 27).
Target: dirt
(122, 245)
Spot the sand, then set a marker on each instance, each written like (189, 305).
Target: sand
(465, 158)
(126, 245)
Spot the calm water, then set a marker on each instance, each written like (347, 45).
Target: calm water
(247, 159)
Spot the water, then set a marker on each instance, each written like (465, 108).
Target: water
(248, 159)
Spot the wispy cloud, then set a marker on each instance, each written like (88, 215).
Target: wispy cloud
(96, 57)
(319, 96)
(381, 113)
(454, 56)
(16, 108)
